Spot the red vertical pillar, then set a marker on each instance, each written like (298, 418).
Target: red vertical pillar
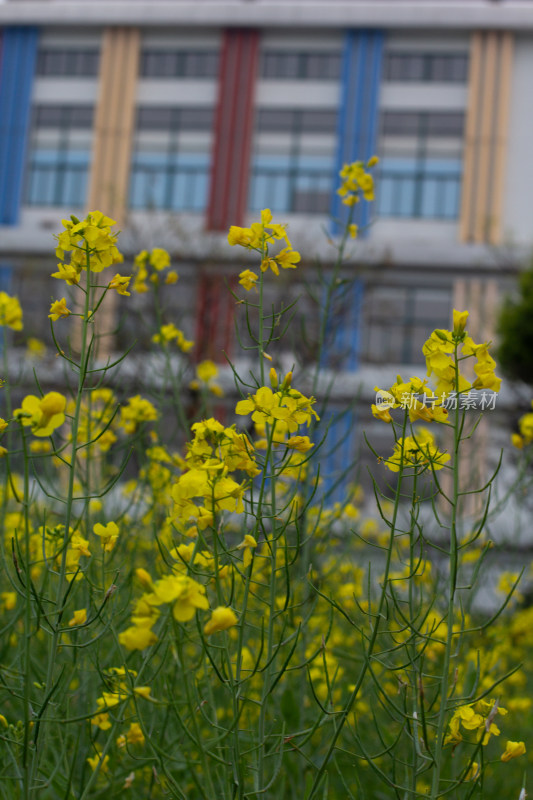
(214, 325)
(234, 124)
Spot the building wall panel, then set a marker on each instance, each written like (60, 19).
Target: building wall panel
(17, 68)
(358, 118)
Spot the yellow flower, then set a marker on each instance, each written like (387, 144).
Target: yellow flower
(44, 414)
(59, 309)
(68, 273)
(287, 258)
(108, 533)
(10, 312)
(418, 450)
(172, 277)
(40, 447)
(35, 348)
(459, 322)
(221, 619)
(169, 333)
(133, 736)
(353, 231)
(473, 772)
(248, 279)
(120, 283)
(300, 443)
(93, 762)
(248, 544)
(513, 750)
(206, 370)
(137, 637)
(159, 259)
(137, 410)
(78, 618)
(356, 181)
(9, 600)
(91, 237)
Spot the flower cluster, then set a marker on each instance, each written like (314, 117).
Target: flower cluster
(259, 236)
(10, 312)
(137, 411)
(286, 409)
(404, 394)
(169, 333)
(418, 450)
(441, 351)
(525, 427)
(207, 486)
(206, 372)
(89, 241)
(357, 181)
(149, 266)
(477, 718)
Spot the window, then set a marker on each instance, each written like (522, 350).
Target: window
(179, 64)
(59, 155)
(396, 320)
(421, 164)
(67, 63)
(423, 67)
(171, 160)
(300, 66)
(294, 160)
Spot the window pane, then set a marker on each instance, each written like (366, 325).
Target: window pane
(438, 67)
(68, 63)
(275, 120)
(445, 123)
(300, 66)
(179, 64)
(400, 123)
(319, 121)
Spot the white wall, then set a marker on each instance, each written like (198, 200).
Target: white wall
(518, 185)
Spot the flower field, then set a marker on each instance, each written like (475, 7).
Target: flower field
(184, 614)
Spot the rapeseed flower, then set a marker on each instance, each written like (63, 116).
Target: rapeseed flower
(90, 243)
(248, 279)
(120, 283)
(513, 750)
(221, 619)
(137, 411)
(43, 414)
(59, 309)
(419, 450)
(108, 534)
(10, 312)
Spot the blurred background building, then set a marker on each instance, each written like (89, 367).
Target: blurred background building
(182, 118)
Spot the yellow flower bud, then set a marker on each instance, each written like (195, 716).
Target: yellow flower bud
(459, 322)
(273, 378)
(287, 380)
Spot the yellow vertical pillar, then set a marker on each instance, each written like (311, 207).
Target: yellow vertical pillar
(115, 115)
(480, 298)
(491, 55)
(112, 144)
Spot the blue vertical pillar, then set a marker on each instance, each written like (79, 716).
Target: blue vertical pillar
(341, 354)
(358, 117)
(17, 68)
(341, 347)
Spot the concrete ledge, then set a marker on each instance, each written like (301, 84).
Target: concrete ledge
(420, 14)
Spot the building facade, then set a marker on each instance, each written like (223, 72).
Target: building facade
(180, 119)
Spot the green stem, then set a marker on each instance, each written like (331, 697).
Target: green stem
(445, 679)
(55, 641)
(379, 616)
